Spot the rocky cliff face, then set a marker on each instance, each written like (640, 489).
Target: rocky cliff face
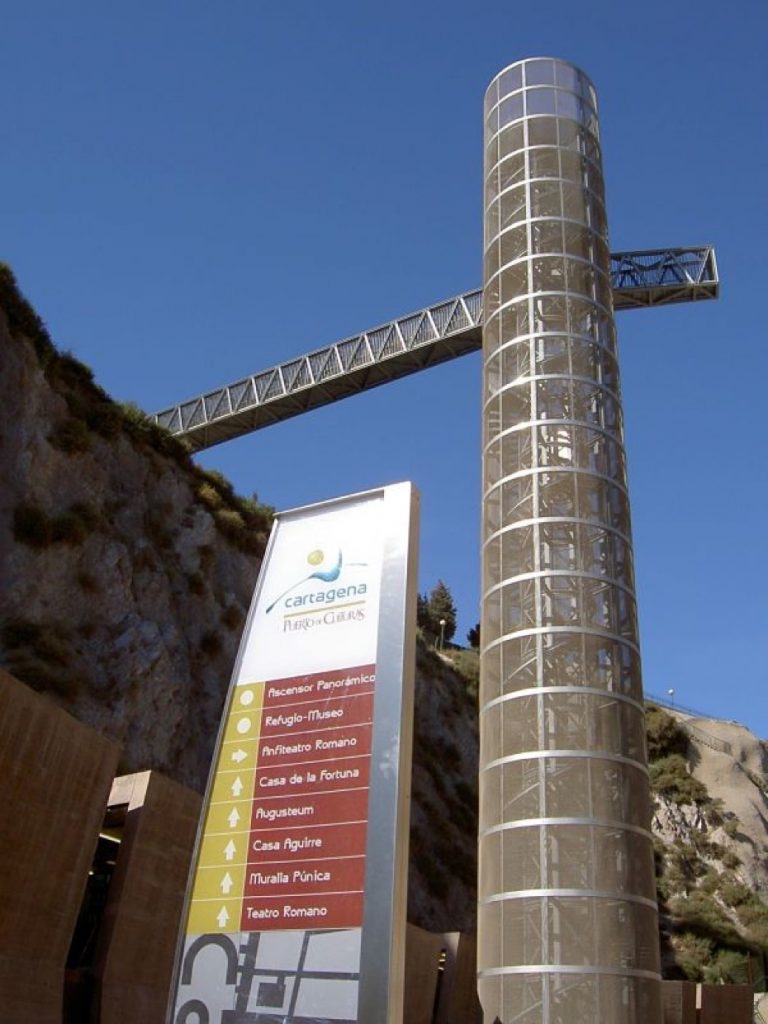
(125, 571)
(732, 764)
(710, 826)
(442, 888)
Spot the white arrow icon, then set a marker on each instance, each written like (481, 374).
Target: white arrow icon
(237, 787)
(230, 850)
(233, 818)
(238, 756)
(222, 917)
(226, 884)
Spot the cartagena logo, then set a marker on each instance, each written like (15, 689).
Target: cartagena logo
(332, 596)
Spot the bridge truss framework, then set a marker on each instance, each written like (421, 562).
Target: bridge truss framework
(410, 343)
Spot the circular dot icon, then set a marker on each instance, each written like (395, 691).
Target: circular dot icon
(246, 698)
(244, 725)
(315, 557)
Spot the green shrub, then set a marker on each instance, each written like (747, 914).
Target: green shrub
(467, 664)
(731, 827)
(35, 528)
(727, 966)
(665, 735)
(39, 655)
(734, 893)
(196, 583)
(686, 859)
(69, 528)
(231, 525)
(104, 418)
(710, 882)
(22, 318)
(207, 555)
(663, 890)
(21, 633)
(42, 675)
(670, 776)
(692, 953)
(731, 860)
(156, 527)
(87, 582)
(232, 617)
(699, 912)
(209, 496)
(216, 479)
(244, 522)
(753, 915)
(30, 526)
(49, 642)
(229, 521)
(73, 373)
(146, 433)
(257, 515)
(210, 644)
(71, 436)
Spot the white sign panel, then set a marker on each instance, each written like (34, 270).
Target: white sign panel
(277, 909)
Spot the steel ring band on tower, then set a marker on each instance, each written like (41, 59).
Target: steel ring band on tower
(567, 925)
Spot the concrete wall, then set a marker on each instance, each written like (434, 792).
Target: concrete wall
(137, 941)
(55, 778)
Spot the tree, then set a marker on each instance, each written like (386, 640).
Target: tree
(473, 636)
(423, 619)
(442, 608)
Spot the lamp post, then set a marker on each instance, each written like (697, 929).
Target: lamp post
(442, 633)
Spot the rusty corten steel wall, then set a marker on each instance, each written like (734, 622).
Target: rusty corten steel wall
(567, 917)
(55, 774)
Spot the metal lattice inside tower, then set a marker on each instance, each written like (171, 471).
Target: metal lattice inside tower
(567, 926)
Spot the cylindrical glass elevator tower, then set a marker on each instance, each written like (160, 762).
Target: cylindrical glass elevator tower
(567, 928)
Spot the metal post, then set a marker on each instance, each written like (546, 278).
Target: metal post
(567, 928)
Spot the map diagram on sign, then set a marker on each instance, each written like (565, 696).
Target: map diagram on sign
(288, 977)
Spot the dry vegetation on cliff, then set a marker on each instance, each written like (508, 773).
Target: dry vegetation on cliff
(710, 884)
(126, 567)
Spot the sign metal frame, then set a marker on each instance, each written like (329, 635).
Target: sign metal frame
(382, 955)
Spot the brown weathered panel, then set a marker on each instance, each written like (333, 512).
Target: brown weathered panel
(458, 1002)
(134, 959)
(422, 959)
(55, 775)
(726, 1004)
(678, 1001)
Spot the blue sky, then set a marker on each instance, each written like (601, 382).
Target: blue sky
(191, 192)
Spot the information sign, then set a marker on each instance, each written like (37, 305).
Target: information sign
(296, 906)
